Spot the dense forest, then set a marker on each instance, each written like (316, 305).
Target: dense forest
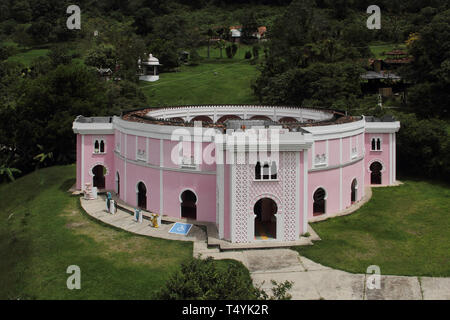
(314, 56)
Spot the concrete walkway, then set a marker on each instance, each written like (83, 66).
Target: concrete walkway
(310, 280)
(314, 281)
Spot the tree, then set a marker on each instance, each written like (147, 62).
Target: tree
(60, 55)
(429, 71)
(45, 111)
(423, 147)
(8, 172)
(255, 51)
(143, 21)
(101, 56)
(21, 11)
(40, 31)
(220, 44)
(249, 27)
(200, 279)
(167, 53)
(230, 52)
(210, 35)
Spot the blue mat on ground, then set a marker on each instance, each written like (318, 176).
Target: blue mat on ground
(180, 228)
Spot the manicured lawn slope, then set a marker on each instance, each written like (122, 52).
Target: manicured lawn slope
(43, 230)
(27, 57)
(379, 50)
(404, 230)
(222, 82)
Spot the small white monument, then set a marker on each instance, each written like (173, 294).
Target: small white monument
(148, 70)
(112, 207)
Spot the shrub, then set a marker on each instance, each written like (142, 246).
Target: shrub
(248, 55)
(206, 279)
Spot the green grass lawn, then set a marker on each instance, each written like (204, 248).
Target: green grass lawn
(404, 230)
(379, 50)
(214, 53)
(27, 57)
(224, 82)
(43, 230)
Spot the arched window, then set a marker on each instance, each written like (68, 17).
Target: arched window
(188, 205)
(354, 189)
(118, 182)
(258, 171)
(319, 202)
(273, 170)
(266, 171)
(375, 144)
(102, 146)
(96, 146)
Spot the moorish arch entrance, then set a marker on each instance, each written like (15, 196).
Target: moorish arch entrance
(354, 190)
(188, 205)
(118, 183)
(141, 191)
(375, 172)
(265, 210)
(99, 173)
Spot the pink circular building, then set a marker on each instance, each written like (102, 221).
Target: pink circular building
(259, 173)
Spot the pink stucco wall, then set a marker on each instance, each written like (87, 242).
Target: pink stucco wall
(328, 177)
(204, 187)
(78, 176)
(174, 182)
(380, 156)
(202, 180)
(91, 159)
(227, 202)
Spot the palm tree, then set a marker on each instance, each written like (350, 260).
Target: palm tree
(220, 44)
(42, 157)
(8, 172)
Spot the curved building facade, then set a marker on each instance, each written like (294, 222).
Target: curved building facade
(260, 173)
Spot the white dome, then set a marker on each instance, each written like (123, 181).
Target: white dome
(151, 60)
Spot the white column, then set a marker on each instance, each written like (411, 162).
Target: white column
(340, 174)
(363, 150)
(280, 226)
(297, 195)
(220, 185)
(305, 191)
(82, 162)
(125, 167)
(161, 182)
(232, 197)
(394, 169)
(146, 150)
(136, 152)
(390, 159)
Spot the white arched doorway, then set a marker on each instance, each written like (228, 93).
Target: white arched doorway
(265, 213)
(188, 204)
(141, 194)
(354, 191)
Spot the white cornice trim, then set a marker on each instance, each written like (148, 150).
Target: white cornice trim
(148, 165)
(337, 166)
(382, 127)
(92, 128)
